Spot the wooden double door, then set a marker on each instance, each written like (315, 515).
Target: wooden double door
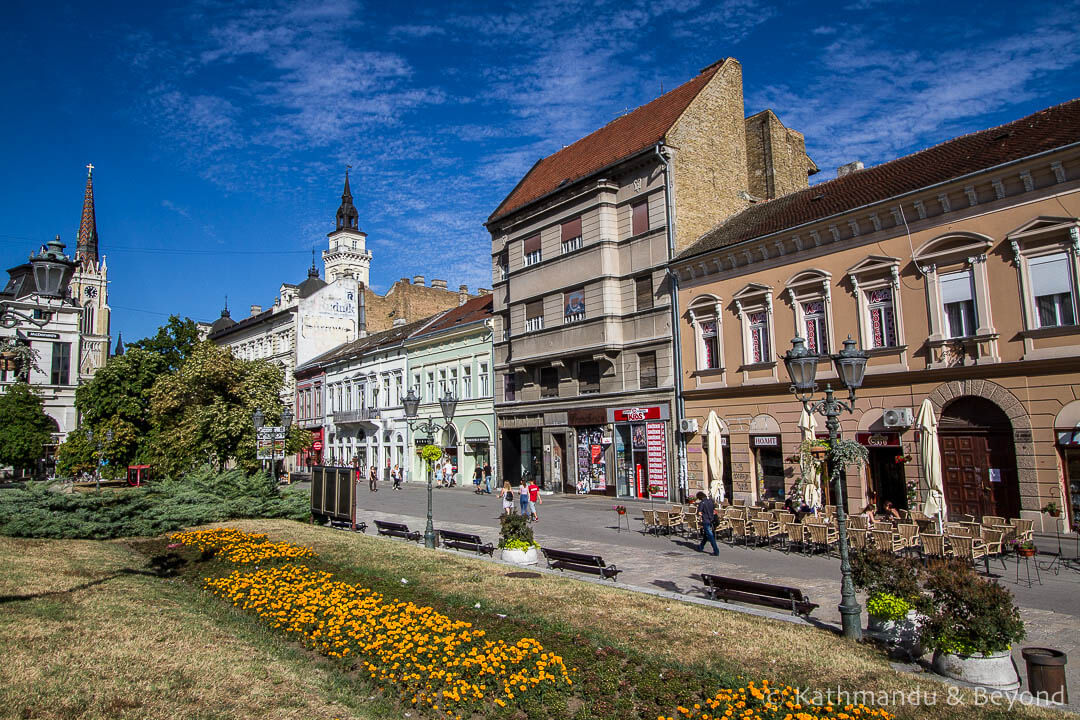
(979, 471)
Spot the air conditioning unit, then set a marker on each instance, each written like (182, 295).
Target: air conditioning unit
(897, 418)
(688, 426)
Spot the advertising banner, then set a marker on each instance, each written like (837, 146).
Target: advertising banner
(656, 443)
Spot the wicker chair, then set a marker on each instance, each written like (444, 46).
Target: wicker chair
(932, 545)
(796, 535)
(857, 522)
(992, 520)
(1008, 533)
(970, 549)
(1023, 528)
(822, 535)
(663, 521)
(857, 538)
(648, 521)
(692, 525)
(740, 529)
(909, 533)
(766, 530)
(995, 547)
(953, 528)
(974, 529)
(888, 541)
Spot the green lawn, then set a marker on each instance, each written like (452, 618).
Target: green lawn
(121, 641)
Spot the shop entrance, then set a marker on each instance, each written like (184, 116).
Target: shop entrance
(631, 450)
(978, 460)
(559, 472)
(1072, 482)
(769, 464)
(887, 477)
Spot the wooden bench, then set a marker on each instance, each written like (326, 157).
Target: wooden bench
(582, 562)
(465, 541)
(395, 529)
(758, 593)
(346, 525)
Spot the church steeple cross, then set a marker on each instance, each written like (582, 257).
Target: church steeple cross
(90, 169)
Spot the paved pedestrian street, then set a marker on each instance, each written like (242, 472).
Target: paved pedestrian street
(1051, 611)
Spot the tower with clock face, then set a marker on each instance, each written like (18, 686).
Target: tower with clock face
(90, 289)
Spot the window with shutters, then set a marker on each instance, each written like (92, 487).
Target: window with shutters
(534, 316)
(1046, 253)
(588, 377)
(571, 235)
(958, 303)
(531, 250)
(643, 292)
(640, 217)
(1052, 284)
(549, 382)
(647, 370)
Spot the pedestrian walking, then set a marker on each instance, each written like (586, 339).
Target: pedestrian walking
(534, 500)
(707, 509)
(507, 495)
(395, 475)
(523, 496)
(487, 478)
(478, 475)
(373, 479)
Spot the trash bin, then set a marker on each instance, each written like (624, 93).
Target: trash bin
(1046, 673)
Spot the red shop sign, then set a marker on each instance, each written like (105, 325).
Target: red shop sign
(316, 445)
(637, 414)
(872, 439)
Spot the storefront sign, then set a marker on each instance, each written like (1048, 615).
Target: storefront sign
(522, 421)
(316, 446)
(482, 440)
(870, 439)
(765, 440)
(656, 441)
(638, 414)
(38, 334)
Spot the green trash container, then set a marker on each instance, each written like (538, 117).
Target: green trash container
(1046, 673)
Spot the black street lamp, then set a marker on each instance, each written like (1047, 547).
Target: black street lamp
(448, 404)
(51, 271)
(850, 364)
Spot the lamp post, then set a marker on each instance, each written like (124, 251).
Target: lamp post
(850, 364)
(51, 270)
(448, 404)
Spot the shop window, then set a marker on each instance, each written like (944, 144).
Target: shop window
(571, 235)
(647, 370)
(643, 293)
(588, 377)
(531, 250)
(640, 221)
(755, 307)
(549, 382)
(534, 316)
(591, 461)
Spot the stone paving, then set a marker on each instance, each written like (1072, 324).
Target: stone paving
(1051, 611)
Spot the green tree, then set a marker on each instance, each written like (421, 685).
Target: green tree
(203, 412)
(24, 427)
(174, 342)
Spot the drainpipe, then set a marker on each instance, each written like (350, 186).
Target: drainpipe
(664, 155)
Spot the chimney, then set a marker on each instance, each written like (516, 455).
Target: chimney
(404, 281)
(849, 168)
(255, 310)
(483, 291)
(463, 294)
(418, 280)
(441, 284)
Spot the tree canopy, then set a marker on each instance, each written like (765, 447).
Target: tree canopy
(24, 427)
(174, 342)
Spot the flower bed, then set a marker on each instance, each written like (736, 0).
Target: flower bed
(765, 702)
(240, 547)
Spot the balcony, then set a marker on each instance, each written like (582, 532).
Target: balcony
(347, 417)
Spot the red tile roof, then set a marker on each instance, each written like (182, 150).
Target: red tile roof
(1045, 130)
(474, 310)
(620, 138)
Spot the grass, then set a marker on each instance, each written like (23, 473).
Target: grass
(163, 643)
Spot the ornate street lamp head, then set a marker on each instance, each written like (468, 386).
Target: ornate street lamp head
(257, 418)
(850, 365)
(801, 365)
(52, 269)
(411, 403)
(448, 403)
(287, 417)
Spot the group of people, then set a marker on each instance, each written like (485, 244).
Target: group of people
(396, 476)
(528, 493)
(482, 474)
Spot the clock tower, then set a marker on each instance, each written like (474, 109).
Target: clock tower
(347, 255)
(90, 289)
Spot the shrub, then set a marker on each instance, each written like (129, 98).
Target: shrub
(887, 607)
(967, 615)
(878, 572)
(515, 528)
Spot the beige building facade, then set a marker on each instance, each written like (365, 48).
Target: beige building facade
(586, 379)
(956, 269)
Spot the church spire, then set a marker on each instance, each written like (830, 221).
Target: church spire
(119, 344)
(347, 216)
(87, 246)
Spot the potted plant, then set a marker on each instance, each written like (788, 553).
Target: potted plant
(516, 540)
(1024, 548)
(971, 626)
(1052, 509)
(894, 597)
(620, 509)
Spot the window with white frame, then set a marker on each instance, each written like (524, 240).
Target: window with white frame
(416, 383)
(466, 382)
(571, 235)
(875, 283)
(882, 313)
(397, 389)
(759, 336)
(386, 391)
(429, 396)
(1052, 281)
(485, 389)
(534, 316)
(442, 382)
(754, 305)
(531, 250)
(704, 315)
(573, 306)
(958, 303)
(814, 325)
(710, 344)
(452, 384)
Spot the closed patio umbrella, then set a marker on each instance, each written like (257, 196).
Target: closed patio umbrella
(713, 432)
(930, 457)
(811, 469)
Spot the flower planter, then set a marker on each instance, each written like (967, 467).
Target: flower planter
(1025, 552)
(902, 634)
(520, 557)
(995, 671)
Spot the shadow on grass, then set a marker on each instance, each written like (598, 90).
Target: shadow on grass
(159, 566)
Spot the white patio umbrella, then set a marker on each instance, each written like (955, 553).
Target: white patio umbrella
(930, 456)
(811, 469)
(714, 430)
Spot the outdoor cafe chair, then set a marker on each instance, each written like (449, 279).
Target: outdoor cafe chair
(663, 521)
(692, 525)
(970, 549)
(964, 517)
(1023, 528)
(822, 535)
(857, 522)
(795, 536)
(739, 530)
(766, 529)
(722, 526)
(857, 538)
(1008, 532)
(648, 520)
(933, 546)
(888, 541)
(909, 533)
(955, 528)
(992, 520)
(974, 529)
(991, 538)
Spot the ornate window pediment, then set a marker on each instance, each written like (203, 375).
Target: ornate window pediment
(754, 306)
(1046, 252)
(705, 315)
(810, 295)
(957, 289)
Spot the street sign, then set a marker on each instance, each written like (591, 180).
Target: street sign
(316, 445)
(270, 431)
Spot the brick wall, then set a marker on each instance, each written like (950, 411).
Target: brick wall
(408, 300)
(776, 158)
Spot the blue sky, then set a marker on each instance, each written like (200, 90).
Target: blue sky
(220, 130)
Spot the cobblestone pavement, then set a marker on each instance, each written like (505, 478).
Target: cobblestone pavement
(1051, 611)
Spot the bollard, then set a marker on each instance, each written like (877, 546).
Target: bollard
(1046, 673)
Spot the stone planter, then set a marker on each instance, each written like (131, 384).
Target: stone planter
(995, 671)
(520, 557)
(902, 634)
